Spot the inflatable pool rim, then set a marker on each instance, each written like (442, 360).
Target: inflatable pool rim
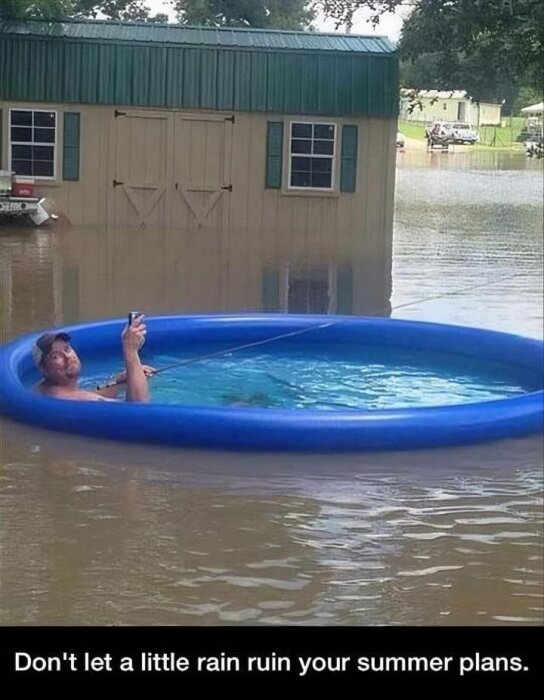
(245, 428)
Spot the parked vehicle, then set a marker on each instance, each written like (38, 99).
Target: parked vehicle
(463, 133)
(400, 140)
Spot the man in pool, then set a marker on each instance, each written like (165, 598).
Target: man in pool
(61, 367)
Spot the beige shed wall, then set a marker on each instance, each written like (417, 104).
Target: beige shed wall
(256, 224)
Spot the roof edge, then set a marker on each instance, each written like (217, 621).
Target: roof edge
(149, 25)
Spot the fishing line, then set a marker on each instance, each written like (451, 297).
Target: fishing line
(292, 334)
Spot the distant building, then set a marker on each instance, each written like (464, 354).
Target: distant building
(534, 110)
(449, 106)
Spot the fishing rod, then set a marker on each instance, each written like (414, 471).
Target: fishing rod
(200, 358)
(292, 334)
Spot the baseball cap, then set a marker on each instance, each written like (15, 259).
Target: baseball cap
(43, 345)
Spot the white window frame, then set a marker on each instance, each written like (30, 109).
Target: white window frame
(32, 143)
(332, 157)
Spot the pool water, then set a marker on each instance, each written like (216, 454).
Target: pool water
(331, 377)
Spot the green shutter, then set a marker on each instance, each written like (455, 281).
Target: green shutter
(348, 170)
(271, 289)
(274, 154)
(1, 143)
(344, 289)
(70, 156)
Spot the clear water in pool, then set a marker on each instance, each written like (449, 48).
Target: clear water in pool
(335, 377)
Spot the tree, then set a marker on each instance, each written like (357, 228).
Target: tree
(35, 9)
(502, 41)
(277, 14)
(507, 34)
(480, 77)
(116, 9)
(62, 9)
(526, 96)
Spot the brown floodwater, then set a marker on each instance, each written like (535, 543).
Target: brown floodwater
(95, 532)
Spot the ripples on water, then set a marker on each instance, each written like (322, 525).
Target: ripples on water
(100, 533)
(336, 378)
(440, 537)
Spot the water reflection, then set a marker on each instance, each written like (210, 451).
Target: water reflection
(61, 277)
(103, 533)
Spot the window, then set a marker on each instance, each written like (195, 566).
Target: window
(311, 155)
(308, 289)
(33, 137)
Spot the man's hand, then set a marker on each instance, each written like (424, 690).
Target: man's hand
(121, 378)
(133, 336)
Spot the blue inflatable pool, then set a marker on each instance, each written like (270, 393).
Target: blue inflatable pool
(272, 428)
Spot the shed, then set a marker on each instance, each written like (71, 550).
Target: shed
(136, 124)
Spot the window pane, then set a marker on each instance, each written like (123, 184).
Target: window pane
(44, 119)
(44, 135)
(303, 131)
(301, 164)
(321, 180)
(326, 147)
(42, 152)
(300, 179)
(43, 168)
(299, 146)
(21, 133)
(323, 131)
(321, 165)
(21, 152)
(18, 117)
(22, 167)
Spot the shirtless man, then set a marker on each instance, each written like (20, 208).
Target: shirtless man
(61, 367)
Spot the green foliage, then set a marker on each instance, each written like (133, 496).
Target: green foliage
(527, 96)
(35, 9)
(276, 14)
(486, 44)
(488, 39)
(116, 9)
(61, 9)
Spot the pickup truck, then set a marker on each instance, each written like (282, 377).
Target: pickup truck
(463, 133)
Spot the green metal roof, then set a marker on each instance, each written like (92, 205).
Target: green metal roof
(178, 67)
(168, 34)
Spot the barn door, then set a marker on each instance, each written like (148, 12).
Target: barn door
(142, 169)
(201, 171)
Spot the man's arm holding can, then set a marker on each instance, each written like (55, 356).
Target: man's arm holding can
(132, 339)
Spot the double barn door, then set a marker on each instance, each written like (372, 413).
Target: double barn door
(171, 170)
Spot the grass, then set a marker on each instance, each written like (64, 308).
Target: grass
(491, 137)
(412, 130)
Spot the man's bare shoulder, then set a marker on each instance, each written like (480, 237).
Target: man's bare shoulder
(56, 392)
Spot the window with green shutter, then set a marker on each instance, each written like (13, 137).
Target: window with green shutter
(33, 142)
(274, 155)
(312, 148)
(70, 159)
(348, 169)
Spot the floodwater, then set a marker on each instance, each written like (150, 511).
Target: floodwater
(102, 533)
